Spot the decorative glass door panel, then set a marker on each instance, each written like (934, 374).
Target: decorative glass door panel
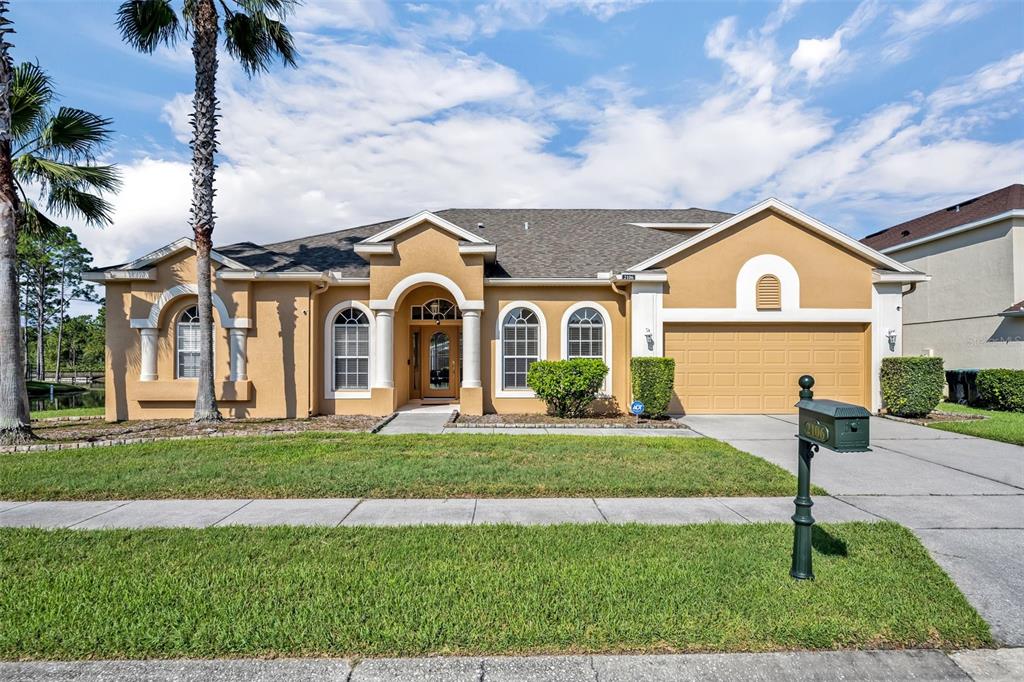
(440, 365)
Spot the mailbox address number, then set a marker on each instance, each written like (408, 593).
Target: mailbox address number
(815, 431)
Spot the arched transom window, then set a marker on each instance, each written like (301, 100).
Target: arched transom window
(437, 309)
(520, 341)
(187, 343)
(351, 350)
(769, 293)
(585, 334)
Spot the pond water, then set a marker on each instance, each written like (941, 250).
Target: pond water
(63, 401)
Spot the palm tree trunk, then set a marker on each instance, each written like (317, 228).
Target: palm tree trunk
(14, 416)
(204, 146)
(60, 320)
(40, 326)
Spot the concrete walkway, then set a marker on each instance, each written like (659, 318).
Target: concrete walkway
(962, 496)
(981, 666)
(389, 512)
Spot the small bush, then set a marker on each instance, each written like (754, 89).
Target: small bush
(652, 383)
(911, 386)
(567, 386)
(1002, 389)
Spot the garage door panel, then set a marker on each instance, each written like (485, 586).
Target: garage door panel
(750, 369)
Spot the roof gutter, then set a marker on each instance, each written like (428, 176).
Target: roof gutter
(1006, 215)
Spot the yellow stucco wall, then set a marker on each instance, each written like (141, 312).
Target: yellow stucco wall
(426, 248)
(830, 277)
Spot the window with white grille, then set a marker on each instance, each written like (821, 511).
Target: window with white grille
(520, 342)
(187, 343)
(351, 350)
(585, 335)
(437, 309)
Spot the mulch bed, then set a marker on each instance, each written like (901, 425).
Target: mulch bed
(99, 430)
(937, 416)
(622, 421)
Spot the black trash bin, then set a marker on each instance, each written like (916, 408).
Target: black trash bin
(963, 386)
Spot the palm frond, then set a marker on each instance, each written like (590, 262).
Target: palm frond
(279, 8)
(147, 24)
(255, 40)
(71, 201)
(35, 222)
(74, 134)
(31, 93)
(51, 173)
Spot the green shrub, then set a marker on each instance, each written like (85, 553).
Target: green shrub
(912, 386)
(1002, 389)
(567, 386)
(652, 383)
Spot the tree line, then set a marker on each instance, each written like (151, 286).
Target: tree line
(48, 166)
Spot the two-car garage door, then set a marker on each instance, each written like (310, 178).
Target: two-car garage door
(754, 368)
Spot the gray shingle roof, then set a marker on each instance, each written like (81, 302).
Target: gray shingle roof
(558, 243)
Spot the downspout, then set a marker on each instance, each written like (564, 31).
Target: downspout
(628, 335)
(317, 290)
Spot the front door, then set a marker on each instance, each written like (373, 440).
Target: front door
(440, 363)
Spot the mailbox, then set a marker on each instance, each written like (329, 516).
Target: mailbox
(837, 426)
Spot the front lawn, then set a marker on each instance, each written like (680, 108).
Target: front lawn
(69, 412)
(1007, 427)
(367, 465)
(469, 590)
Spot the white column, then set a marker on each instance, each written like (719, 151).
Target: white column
(384, 351)
(646, 318)
(237, 339)
(149, 341)
(471, 349)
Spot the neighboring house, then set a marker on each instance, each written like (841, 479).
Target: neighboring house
(455, 305)
(971, 312)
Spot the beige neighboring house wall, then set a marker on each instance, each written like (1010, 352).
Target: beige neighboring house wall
(692, 298)
(975, 275)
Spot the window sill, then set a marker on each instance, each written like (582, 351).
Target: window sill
(515, 393)
(348, 395)
(184, 390)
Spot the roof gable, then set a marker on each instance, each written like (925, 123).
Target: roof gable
(419, 219)
(773, 204)
(175, 247)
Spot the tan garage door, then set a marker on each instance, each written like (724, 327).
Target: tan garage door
(754, 368)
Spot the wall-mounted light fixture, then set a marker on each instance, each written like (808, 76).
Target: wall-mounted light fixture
(650, 339)
(891, 338)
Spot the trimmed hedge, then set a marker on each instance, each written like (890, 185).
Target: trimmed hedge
(912, 386)
(567, 386)
(1002, 389)
(652, 383)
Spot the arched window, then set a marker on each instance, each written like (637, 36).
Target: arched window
(351, 350)
(585, 334)
(520, 342)
(769, 293)
(437, 309)
(187, 343)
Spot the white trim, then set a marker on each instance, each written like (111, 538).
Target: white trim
(498, 358)
(901, 277)
(380, 248)
(485, 249)
(291, 275)
(759, 266)
(606, 337)
(152, 321)
(426, 278)
(627, 276)
(541, 281)
(646, 328)
(766, 316)
(790, 212)
(174, 247)
(341, 280)
(119, 274)
(329, 392)
(1006, 215)
(425, 217)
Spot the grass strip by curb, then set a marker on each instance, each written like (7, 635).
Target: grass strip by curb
(1007, 427)
(470, 590)
(367, 465)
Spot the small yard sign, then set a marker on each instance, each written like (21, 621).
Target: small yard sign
(636, 407)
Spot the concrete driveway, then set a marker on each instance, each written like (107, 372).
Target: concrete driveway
(962, 496)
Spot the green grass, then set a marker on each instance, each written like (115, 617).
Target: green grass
(1007, 427)
(69, 412)
(367, 465)
(469, 590)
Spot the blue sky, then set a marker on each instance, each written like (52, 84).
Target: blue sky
(860, 113)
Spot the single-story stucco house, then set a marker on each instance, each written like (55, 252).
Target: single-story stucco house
(971, 312)
(455, 305)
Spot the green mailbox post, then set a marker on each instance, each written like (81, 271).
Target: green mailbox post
(841, 427)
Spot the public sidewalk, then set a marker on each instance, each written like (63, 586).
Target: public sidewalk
(981, 666)
(405, 512)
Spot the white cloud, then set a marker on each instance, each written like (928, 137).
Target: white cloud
(498, 15)
(751, 60)
(368, 15)
(989, 81)
(910, 26)
(814, 57)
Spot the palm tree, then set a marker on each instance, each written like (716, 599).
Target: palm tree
(255, 35)
(49, 156)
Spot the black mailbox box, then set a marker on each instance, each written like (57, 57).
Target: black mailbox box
(837, 426)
